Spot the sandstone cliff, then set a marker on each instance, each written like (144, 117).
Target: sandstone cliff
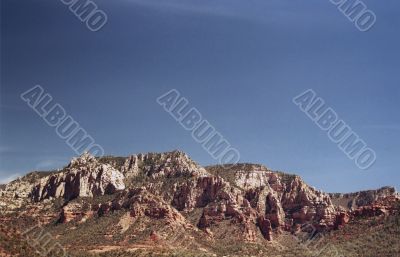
(250, 201)
(84, 176)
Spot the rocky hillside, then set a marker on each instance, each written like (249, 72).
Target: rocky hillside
(168, 200)
(355, 200)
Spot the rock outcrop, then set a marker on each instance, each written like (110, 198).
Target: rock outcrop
(265, 227)
(75, 212)
(382, 207)
(158, 165)
(355, 200)
(284, 199)
(83, 177)
(16, 193)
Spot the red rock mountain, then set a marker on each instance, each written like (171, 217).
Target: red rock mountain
(166, 197)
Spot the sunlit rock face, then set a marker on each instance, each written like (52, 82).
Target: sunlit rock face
(83, 177)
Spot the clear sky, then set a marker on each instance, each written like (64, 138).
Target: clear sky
(239, 63)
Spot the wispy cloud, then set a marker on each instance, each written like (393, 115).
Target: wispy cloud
(206, 8)
(8, 179)
(383, 126)
(50, 164)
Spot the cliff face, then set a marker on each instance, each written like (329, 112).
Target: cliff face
(16, 193)
(83, 177)
(285, 200)
(355, 200)
(246, 201)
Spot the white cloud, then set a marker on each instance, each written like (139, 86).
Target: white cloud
(50, 164)
(8, 179)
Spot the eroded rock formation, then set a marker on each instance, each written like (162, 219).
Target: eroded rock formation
(249, 200)
(83, 177)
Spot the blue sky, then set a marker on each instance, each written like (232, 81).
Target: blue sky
(239, 63)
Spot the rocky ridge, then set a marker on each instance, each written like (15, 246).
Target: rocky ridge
(249, 200)
(355, 200)
(83, 177)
